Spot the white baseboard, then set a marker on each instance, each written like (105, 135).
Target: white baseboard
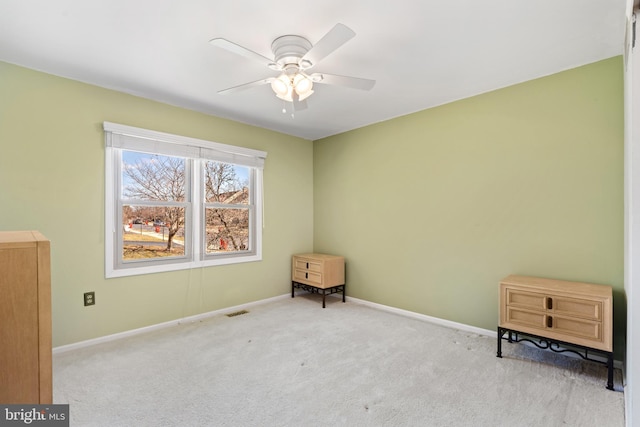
(171, 323)
(430, 319)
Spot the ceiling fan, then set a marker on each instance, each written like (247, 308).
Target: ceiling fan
(293, 56)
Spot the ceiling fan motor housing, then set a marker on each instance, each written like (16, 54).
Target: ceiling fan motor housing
(289, 50)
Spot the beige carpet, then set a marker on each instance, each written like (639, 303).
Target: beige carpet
(292, 363)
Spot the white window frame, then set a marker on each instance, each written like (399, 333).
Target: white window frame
(120, 138)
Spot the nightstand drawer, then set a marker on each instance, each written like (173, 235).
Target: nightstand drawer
(306, 276)
(307, 264)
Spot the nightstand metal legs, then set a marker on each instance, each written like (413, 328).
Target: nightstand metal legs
(316, 290)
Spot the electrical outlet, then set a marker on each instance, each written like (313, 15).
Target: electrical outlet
(89, 298)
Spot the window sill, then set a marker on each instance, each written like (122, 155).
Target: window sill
(176, 266)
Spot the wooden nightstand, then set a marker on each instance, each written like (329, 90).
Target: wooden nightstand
(318, 273)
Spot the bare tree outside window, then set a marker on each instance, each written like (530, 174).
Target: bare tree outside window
(154, 178)
(227, 207)
(157, 178)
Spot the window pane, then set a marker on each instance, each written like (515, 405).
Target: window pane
(152, 232)
(226, 183)
(153, 177)
(227, 230)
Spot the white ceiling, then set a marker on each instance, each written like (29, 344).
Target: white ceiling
(422, 53)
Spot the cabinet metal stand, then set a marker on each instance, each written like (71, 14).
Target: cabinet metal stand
(557, 347)
(316, 290)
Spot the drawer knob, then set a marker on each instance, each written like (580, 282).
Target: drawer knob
(549, 322)
(549, 303)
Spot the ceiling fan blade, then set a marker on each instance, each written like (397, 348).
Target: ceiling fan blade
(336, 37)
(241, 50)
(352, 82)
(246, 86)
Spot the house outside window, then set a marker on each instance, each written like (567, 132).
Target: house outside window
(174, 202)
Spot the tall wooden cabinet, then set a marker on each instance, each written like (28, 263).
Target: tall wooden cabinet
(25, 318)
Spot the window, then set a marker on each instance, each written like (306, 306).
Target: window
(174, 202)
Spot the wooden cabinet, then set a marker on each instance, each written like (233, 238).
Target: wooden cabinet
(25, 318)
(559, 311)
(318, 273)
(579, 313)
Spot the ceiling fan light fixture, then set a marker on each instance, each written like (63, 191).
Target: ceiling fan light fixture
(281, 86)
(302, 85)
(285, 85)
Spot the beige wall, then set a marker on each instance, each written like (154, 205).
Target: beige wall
(432, 209)
(52, 175)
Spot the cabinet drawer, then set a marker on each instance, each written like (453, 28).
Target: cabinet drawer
(583, 308)
(578, 328)
(307, 264)
(530, 300)
(532, 319)
(306, 276)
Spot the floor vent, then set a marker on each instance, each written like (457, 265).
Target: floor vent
(237, 313)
